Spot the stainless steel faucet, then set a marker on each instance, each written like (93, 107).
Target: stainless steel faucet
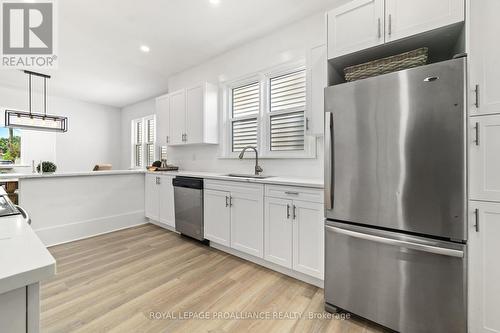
(258, 169)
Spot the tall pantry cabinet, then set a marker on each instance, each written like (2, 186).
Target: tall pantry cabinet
(484, 166)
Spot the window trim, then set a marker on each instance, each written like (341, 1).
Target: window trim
(144, 143)
(264, 116)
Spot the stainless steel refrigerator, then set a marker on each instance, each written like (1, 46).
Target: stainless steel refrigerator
(395, 196)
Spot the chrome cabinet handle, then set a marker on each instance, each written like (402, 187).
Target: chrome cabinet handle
(168, 139)
(230, 201)
(227, 203)
(328, 169)
(397, 242)
(185, 137)
(159, 180)
(476, 128)
(24, 213)
(390, 24)
(287, 211)
(476, 214)
(476, 90)
(379, 29)
(294, 212)
(292, 193)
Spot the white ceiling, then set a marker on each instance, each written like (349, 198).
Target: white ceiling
(99, 56)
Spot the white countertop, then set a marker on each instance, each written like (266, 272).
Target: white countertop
(290, 181)
(7, 176)
(23, 258)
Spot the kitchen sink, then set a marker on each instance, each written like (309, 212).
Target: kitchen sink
(242, 175)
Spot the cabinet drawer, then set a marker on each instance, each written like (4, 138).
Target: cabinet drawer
(293, 192)
(234, 186)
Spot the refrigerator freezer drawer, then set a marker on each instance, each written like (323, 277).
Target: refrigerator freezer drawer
(409, 284)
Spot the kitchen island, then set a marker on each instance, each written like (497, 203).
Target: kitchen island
(24, 262)
(70, 206)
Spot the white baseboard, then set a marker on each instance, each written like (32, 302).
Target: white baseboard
(163, 225)
(259, 261)
(70, 232)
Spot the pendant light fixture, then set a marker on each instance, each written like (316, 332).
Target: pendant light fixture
(36, 121)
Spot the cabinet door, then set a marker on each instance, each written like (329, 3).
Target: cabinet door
(483, 56)
(247, 223)
(177, 117)
(355, 26)
(484, 267)
(166, 190)
(163, 120)
(317, 69)
(278, 231)
(485, 158)
(152, 198)
(194, 114)
(217, 216)
(409, 17)
(308, 238)
(13, 311)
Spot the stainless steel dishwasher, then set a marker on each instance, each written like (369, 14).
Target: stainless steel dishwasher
(188, 202)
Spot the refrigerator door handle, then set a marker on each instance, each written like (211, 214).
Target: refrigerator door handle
(397, 242)
(328, 160)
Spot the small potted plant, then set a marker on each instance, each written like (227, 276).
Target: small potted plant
(47, 167)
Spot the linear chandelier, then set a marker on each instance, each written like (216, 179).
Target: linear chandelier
(36, 121)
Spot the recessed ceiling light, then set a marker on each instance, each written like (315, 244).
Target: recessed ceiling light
(215, 2)
(144, 48)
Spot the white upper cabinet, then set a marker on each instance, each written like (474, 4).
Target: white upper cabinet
(217, 216)
(484, 270)
(404, 18)
(163, 120)
(483, 57)
(193, 115)
(355, 26)
(361, 24)
(485, 158)
(318, 80)
(177, 117)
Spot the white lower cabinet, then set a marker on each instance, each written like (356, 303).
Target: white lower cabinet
(294, 235)
(242, 230)
(152, 197)
(284, 226)
(484, 270)
(217, 216)
(247, 227)
(308, 238)
(20, 310)
(278, 231)
(167, 210)
(159, 199)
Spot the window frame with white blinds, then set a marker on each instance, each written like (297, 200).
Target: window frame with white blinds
(266, 114)
(251, 112)
(143, 148)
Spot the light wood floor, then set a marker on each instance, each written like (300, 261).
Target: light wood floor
(114, 282)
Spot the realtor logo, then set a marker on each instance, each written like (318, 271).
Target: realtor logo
(28, 34)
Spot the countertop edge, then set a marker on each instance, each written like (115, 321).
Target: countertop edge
(285, 181)
(71, 174)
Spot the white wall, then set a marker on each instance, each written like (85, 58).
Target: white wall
(138, 110)
(93, 133)
(288, 44)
